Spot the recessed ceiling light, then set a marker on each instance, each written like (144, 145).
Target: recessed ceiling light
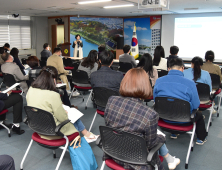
(96, 1)
(119, 6)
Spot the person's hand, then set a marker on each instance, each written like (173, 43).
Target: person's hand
(75, 42)
(9, 92)
(66, 112)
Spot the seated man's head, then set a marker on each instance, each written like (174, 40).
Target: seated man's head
(174, 50)
(58, 51)
(126, 49)
(7, 57)
(32, 61)
(7, 46)
(136, 84)
(101, 48)
(209, 56)
(176, 64)
(46, 46)
(106, 58)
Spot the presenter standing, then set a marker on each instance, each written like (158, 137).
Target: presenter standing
(77, 45)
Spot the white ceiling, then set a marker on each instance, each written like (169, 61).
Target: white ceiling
(70, 7)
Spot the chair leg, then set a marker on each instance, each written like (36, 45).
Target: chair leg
(103, 165)
(9, 132)
(30, 144)
(218, 106)
(92, 122)
(63, 152)
(54, 154)
(88, 98)
(190, 145)
(210, 117)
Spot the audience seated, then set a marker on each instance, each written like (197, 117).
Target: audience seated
(89, 64)
(209, 66)
(176, 86)
(46, 52)
(174, 52)
(12, 68)
(56, 61)
(101, 48)
(147, 64)
(14, 53)
(159, 61)
(6, 47)
(43, 94)
(126, 57)
(105, 76)
(7, 162)
(8, 100)
(128, 113)
(1, 52)
(196, 74)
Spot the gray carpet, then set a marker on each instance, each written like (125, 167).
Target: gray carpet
(203, 157)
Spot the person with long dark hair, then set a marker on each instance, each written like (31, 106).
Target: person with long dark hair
(89, 64)
(44, 95)
(14, 53)
(147, 64)
(210, 66)
(159, 61)
(196, 74)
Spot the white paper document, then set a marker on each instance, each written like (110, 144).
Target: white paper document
(160, 133)
(10, 88)
(60, 85)
(73, 113)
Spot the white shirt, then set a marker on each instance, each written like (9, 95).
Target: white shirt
(162, 65)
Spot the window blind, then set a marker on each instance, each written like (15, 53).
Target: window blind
(15, 31)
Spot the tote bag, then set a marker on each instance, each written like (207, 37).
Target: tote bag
(82, 158)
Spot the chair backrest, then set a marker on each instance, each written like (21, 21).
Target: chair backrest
(102, 94)
(203, 91)
(75, 64)
(215, 81)
(80, 77)
(40, 121)
(123, 146)
(23, 61)
(8, 79)
(124, 67)
(162, 73)
(42, 63)
(173, 109)
(67, 62)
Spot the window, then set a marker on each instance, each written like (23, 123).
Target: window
(15, 31)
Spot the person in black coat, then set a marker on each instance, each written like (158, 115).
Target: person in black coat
(8, 100)
(14, 53)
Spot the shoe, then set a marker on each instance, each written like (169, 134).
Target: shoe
(17, 130)
(200, 142)
(214, 111)
(91, 138)
(174, 164)
(174, 136)
(75, 94)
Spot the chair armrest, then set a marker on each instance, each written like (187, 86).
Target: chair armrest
(58, 128)
(99, 142)
(192, 116)
(153, 151)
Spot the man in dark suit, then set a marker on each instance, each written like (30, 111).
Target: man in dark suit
(46, 53)
(105, 76)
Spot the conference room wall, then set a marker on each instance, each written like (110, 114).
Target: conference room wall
(51, 21)
(167, 31)
(39, 33)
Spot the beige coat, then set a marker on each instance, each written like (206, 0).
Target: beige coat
(50, 101)
(57, 62)
(212, 68)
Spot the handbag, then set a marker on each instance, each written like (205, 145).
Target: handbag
(81, 155)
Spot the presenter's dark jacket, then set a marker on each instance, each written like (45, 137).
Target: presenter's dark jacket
(3, 96)
(106, 77)
(131, 115)
(80, 44)
(45, 54)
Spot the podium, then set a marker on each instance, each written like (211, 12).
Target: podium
(65, 48)
(118, 53)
